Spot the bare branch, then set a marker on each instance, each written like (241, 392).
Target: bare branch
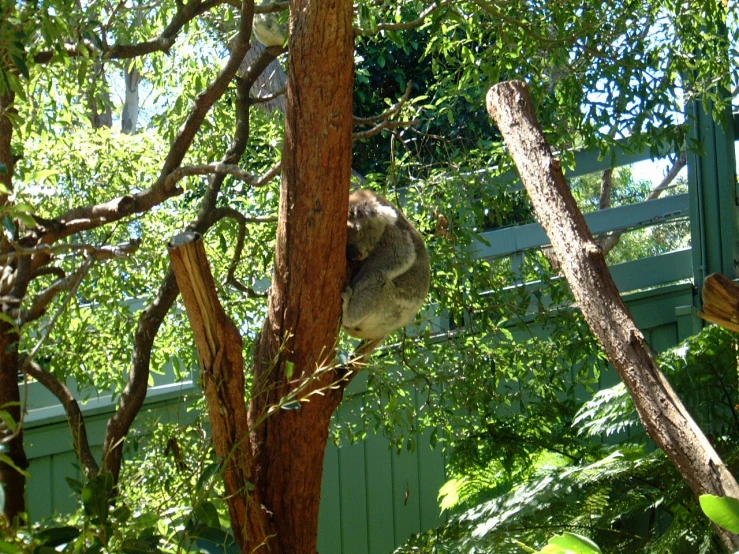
(72, 281)
(100, 253)
(269, 98)
(162, 43)
(405, 25)
(241, 220)
(152, 317)
(382, 126)
(215, 167)
(389, 112)
(608, 243)
(271, 174)
(74, 414)
(671, 174)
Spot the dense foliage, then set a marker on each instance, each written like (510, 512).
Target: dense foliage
(620, 491)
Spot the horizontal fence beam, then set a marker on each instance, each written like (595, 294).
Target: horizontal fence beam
(512, 240)
(586, 162)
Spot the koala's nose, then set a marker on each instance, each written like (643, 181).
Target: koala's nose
(353, 253)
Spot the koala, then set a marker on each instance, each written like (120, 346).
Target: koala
(268, 28)
(390, 268)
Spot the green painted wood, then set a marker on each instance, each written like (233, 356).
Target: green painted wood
(505, 242)
(380, 514)
(329, 517)
(713, 196)
(406, 495)
(64, 466)
(585, 163)
(663, 337)
(432, 476)
(658, 307)
(353, 499)
(38, 498)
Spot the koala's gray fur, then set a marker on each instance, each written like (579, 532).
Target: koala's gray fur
(392, 279)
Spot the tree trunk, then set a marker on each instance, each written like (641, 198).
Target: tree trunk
(299, 335)
(662, 413)
(12, 481)
(130, 113)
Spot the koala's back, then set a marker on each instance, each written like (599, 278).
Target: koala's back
(393, 279)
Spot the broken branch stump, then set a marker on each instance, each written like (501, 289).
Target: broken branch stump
(222, 372)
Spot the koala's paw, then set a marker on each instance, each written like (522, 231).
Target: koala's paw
(346, 296)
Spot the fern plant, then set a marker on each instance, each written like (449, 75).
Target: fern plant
(623, 493)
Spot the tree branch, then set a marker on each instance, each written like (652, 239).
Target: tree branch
(152, 317)
(90, 217)
(163, 43)
(405, 25)
(241, 220)
(389, 112)
(74, 414)
(377, 129)
(608, 243)
(215, 167)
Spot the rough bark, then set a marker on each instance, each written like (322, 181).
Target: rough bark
(13, 482)
(299, 335)
(662, 413)
(222, 370)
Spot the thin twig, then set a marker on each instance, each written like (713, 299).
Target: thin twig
(241, 220)
(405, 25)
(382, 126)
(390, 111)
(208, 169)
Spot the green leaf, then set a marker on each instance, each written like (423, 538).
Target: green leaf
(136, 546)
(95, 499)
(217, 541)
(122, 513)
(7, 548)
(570, 543)
(722, 510)
(208, 473)
(56, 536)
(8, 420)
(6, 460)
(27, 220)
(20, 63)
(206, 513)
(289, 369)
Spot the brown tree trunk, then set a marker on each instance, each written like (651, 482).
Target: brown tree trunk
(12, 481)
(299, 335)
(662, 413)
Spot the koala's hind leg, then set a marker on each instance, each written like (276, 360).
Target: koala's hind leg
(363, 306)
